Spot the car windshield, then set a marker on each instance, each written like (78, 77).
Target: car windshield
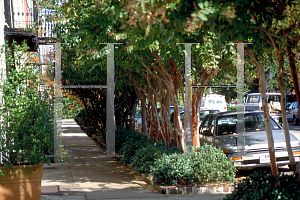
(253, 122)
(253, 99)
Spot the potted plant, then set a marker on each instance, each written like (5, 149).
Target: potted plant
(27, 126)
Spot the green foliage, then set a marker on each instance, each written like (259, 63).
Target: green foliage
(27, 129)
(206, 164)
(144, 157)
(122, 135)
(71, 107)
(131, 145)
(230, 108)
(261, 185)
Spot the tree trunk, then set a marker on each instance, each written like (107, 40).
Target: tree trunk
(293, 165)
(144, 105)
(196, 109)
(292, 62)
(132, 115)
(144, 113)
(262, 90)
(176, 110)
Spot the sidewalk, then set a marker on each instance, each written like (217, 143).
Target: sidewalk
(87, 174)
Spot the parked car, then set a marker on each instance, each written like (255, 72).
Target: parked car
(290, 98)
(254, 101)
(220, 129)
(292, 113)
(214, 102)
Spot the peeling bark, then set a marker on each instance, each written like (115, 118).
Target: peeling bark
(262, 90)
(293, 165)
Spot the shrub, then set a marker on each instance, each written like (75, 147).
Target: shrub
(133, 143)
(122, 135)
(261, 185)
(70, 107)
(26, 134)
(205, 164)
(144, 157)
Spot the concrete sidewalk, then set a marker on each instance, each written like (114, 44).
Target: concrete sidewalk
(88, 174)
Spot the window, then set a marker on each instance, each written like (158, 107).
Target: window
(226, 125)
(253, 122)
(206, 121)
(275, 98)
(253, 99)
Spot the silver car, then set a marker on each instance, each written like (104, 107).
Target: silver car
(249, 149)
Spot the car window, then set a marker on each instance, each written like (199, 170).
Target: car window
(253, 99)
(226, 125)
(206, 120)
(275, 98)
(253, 122)
(262, 126)
(203, 114)
(292, 106)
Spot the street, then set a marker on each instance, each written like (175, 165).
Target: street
(295, 130)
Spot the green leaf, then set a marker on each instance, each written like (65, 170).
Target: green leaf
(172, 6)
(201, 5)
(206, 3)
(202, 16)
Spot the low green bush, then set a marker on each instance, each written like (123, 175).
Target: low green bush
(122, 135)
(261, 185)
(132, 144)
(144, 157)
(205, 164)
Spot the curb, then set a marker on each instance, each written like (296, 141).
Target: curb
(188, 190)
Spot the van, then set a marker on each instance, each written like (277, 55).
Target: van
(214, 102)
(254, 101)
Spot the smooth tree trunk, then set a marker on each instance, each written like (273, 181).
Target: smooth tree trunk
(293, 165)
(262, 90)
(196, 103)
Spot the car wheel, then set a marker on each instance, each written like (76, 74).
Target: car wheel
(296, 121)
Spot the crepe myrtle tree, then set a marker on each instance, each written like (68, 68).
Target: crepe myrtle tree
(85, 28)
(261, 22)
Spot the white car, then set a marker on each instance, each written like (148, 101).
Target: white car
(214, 102)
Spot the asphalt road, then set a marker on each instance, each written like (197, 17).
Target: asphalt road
(295, 130)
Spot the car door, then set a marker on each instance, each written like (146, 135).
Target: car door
(206, 130)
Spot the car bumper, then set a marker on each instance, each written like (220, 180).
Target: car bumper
(261, 159)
